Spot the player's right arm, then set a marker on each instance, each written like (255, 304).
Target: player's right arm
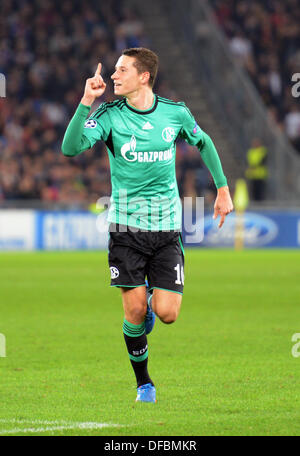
(75, 140)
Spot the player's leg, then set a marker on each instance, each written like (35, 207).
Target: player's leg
(134, 303)
(166, 305)
(127, 267)
(166, 278)
(150, 315)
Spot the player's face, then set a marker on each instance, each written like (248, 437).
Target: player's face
(126, 78)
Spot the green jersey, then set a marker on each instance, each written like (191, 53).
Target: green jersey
(142, 154)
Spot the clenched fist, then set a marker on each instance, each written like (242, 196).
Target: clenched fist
(94, 87)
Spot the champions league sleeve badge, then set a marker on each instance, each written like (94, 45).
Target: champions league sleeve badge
(90, 123)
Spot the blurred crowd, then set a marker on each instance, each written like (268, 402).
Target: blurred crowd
(47, 51)
(264, 36)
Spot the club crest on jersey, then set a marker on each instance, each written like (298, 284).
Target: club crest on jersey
(114, 272)
(90, 123)
(168, 134)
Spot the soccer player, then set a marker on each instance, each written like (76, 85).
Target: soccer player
(145, 245)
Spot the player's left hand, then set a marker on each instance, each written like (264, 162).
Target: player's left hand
(223, 204)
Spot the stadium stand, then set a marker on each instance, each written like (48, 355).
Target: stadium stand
(264, 36)
(219, 90)
(47, 51)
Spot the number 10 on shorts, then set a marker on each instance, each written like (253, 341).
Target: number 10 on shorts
(180, 275)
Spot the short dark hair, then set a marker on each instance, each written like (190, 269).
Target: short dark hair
(145, 60)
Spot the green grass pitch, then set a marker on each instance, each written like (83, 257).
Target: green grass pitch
(224, 368)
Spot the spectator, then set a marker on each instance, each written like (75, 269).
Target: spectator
(292, 125)
(257, 171)
(240, 47)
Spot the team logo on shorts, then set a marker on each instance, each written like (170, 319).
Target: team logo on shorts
(114, 272)
(91, 123)
(168, 134)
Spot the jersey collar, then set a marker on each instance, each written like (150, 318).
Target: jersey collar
(148, 111)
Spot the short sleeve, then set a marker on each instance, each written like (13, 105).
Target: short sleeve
(190, 130)
(97, 126)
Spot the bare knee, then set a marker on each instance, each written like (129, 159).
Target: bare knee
(134, 303)
(168, 317)
(166, 305)
(136, 313)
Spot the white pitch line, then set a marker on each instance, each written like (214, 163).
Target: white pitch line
(55, 426)
(62, 422)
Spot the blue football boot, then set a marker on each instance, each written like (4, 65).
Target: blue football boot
(146, 393)
(150, 315)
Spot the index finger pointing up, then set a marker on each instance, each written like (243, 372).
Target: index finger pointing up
(98, 71)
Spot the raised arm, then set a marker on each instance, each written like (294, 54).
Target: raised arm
(94, 88)
(75, 141)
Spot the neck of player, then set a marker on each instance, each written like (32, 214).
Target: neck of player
(141, 100)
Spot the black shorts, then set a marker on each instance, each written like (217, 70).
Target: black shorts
(157, 255)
